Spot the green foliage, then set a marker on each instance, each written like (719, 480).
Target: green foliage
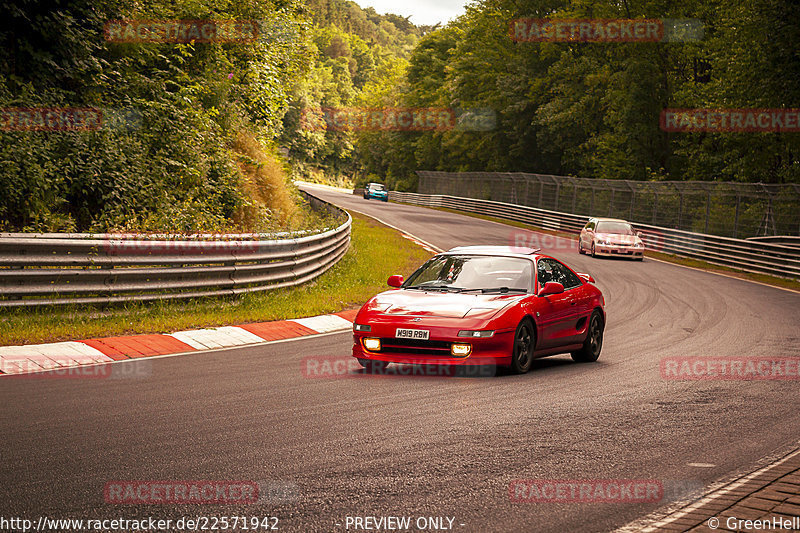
(171, 166)
(356, 52)
(592, 109)
(588, 109)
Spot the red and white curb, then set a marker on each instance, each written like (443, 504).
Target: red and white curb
(59, 355)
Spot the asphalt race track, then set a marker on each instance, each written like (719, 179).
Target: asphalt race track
(424, 446)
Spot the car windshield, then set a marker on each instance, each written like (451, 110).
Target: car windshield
(619, 228)
(469, 273)
(377, 187)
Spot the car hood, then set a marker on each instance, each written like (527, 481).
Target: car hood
(618, 238)
(419, 303)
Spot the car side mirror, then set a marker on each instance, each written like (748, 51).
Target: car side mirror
(585, 277)
(551, 287)
(395, 281)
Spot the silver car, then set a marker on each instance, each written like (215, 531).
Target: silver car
(610, 237)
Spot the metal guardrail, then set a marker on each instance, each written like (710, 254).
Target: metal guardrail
(56, 269)
(746, 255)
(786, 240)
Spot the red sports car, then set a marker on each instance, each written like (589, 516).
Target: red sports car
(482, 305)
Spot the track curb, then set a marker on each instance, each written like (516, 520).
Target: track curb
(32, 358)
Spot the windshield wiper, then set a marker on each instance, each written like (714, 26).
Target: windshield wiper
(436, 287)
(502, 290)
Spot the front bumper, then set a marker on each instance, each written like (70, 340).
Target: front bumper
(618, 250)
(495, 350)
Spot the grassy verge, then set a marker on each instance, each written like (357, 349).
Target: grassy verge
(376, 252)
(693, 263)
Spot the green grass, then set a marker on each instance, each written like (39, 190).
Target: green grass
(670, 258)
(376, 252)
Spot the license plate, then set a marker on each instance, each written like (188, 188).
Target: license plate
(422, 334)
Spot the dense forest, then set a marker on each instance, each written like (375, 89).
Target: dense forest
(207, 134)
(355, 53)
(196, 154)
(592, 109)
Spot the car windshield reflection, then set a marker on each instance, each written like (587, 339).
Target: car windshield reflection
(617, 228)
(472, 274)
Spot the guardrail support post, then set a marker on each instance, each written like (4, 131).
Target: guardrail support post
(655, 208)
(611, 204)
(574, 196)
(541, 192)
(633, 200)
(558, 192)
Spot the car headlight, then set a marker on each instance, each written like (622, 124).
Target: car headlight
(461, 350)
(480, 334)
(372, 344)
(362, 327)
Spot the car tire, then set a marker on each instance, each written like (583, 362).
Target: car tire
(371, 365)
(593, 343)
(524, 344)
(580, 247)
(593, 254)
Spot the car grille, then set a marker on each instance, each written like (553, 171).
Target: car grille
(415, 346)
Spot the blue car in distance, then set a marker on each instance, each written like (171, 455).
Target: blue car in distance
(377, 191)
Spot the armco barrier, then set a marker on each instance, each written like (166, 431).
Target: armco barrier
(747, 255)
(53, 269)
(786, 240)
